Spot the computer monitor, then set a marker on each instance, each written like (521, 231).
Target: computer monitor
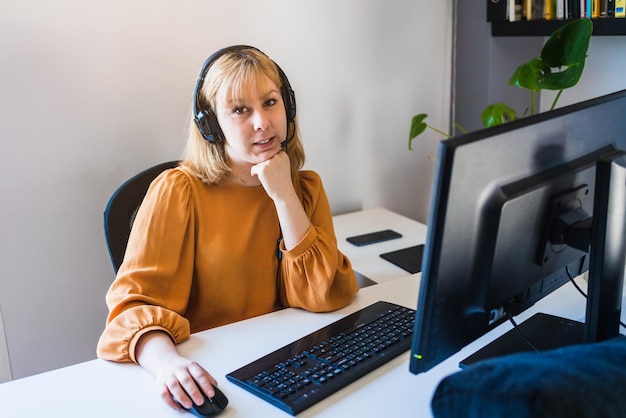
(514, 210)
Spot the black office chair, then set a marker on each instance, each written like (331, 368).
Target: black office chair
(120, 212)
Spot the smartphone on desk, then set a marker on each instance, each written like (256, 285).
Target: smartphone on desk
(373, 237)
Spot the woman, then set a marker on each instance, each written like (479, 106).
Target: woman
(236, 231)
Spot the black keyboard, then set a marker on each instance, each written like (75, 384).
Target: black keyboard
(308, 370)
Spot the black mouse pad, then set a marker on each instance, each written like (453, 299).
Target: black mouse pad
(363, 281)
(409, 259)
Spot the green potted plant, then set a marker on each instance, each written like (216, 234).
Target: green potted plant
(559, 67)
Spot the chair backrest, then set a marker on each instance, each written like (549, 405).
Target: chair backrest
(120, 212)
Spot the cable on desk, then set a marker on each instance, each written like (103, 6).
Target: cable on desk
(521, 333)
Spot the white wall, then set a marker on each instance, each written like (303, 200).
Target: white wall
(95, 90)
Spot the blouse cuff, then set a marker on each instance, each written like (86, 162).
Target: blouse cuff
(120, 337)
(301, 247)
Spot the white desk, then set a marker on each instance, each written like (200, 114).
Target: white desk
(102, 389)
(366, 259)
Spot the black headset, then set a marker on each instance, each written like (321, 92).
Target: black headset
(206, 120)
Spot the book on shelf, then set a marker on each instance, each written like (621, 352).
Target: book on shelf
(514, 10)
(595, 9)
(535, 9)
(581, 8)
(560, 9)
(548, 9)
(619, 8)
(519, 10)
(609, 8)
(573, 9)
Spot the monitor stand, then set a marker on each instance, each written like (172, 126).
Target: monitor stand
(547, 332)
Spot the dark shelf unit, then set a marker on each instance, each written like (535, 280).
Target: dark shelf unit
(601, 27)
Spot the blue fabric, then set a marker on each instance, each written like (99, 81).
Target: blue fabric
(580, 381)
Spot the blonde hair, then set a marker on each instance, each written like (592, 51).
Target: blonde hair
(227, 78)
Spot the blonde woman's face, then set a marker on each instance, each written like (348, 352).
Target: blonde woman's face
(254, 124)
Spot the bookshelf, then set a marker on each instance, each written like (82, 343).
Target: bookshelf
(601, 27)
(500, 26)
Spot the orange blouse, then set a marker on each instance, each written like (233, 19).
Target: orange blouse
(201, 256)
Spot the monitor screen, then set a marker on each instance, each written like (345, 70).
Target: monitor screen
(514, 211)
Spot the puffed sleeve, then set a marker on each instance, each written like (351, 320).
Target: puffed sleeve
(151, 290)
(315, 275)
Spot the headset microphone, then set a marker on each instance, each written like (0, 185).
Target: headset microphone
(286, 142)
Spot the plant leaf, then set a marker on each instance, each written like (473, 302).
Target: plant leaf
(568, 45)
(525, 75)
(497, 114)
(561, 80)
(417, 127)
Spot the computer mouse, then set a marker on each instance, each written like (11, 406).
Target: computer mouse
(211, 406)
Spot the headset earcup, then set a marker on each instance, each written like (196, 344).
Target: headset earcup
(290, 104)
(209, 127)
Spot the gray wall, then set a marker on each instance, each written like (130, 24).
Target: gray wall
(484, 64)
(95, 90)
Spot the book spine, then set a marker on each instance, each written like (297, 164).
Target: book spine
(573, 9)
(547, 10)
(511, 11)
(619, 8)
(518, 9)
(560, 9)
(604, 4)
(595, 9)
(610, 8)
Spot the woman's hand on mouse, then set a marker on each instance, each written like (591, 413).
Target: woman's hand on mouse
(180, 381)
